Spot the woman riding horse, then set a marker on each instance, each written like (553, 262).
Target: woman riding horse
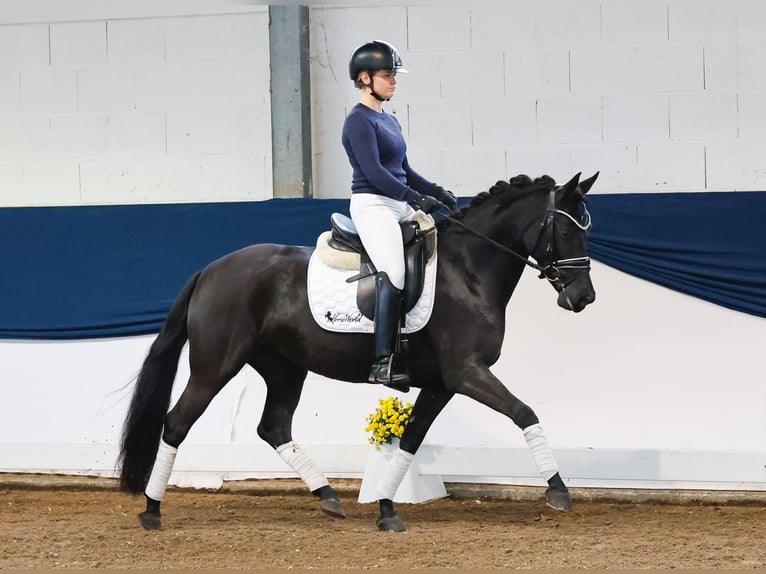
(251, 308)
(382, 187)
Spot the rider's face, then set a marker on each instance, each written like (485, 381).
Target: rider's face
(385, 83)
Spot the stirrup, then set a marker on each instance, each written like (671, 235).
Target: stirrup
(385, 371)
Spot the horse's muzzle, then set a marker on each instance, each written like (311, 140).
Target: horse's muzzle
(576, 299)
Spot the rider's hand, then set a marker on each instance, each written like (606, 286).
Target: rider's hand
(446, 197)
(427, 204)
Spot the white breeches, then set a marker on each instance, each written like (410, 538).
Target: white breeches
(377, 219)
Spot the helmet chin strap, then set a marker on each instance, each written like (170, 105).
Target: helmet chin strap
(372, 89)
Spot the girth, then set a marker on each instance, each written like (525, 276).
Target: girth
(419, 246)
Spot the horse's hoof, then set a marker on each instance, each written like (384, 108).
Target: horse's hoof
(150, 521)
(332, 507)
(558, 500)
(391, 524)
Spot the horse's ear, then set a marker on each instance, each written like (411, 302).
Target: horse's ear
(586, 184)
(571, 185)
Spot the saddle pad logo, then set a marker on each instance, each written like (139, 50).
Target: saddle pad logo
(333, 301)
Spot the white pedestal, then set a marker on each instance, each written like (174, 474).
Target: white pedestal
(414, 488)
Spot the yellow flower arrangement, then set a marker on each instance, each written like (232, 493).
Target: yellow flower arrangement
(388, 421)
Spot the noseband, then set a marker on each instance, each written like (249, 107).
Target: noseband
(551, 267)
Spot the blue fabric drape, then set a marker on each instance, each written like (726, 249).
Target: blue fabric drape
(110, 271)
(710, 245)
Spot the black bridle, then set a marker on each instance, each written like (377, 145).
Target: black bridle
(550, 268)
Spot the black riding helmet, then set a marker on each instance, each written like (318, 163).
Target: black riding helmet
(375, 55)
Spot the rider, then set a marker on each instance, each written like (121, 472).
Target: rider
(382, 187)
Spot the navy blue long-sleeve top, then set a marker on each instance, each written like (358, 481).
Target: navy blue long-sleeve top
(378, 154)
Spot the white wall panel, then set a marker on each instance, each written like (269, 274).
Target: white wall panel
(669, 67)
(504, 122)
(752, 115)
(736, 166)
(671, 167)
(472, 75)
(105, 89)
(429, 162)
(472, 170)
(497, 25)
(438, 28)
(78, 44)
(10, 95)
(425, 79)
(695, 20)
(199, 132)
(38, 176)
(440, 124)
(636, 118)
(751, 20)
(12, 183)
(136, 41)
(751, 65)
(328, 37)
(537, 160)
(136, 134)
(616, 163)
(720, 66)
(563, 23)
(703, 117)
(576, 119)
(236, 176)
(631, 22)
(24, 46)
(536, 71)
(387, 23)
(78, 136)
(46, 91)
(24, 137)
(603, 69)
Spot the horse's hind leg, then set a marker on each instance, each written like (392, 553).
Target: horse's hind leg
(195, 398)
(284, 384)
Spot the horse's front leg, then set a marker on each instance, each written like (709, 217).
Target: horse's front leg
(427, 407)
(478, 382)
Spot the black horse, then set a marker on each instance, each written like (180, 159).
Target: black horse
(250, 307)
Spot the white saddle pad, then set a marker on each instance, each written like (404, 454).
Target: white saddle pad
(333, 301)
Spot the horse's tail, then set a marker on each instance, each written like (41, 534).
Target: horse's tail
(151, 396)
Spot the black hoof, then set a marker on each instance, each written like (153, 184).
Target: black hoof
(558, 500)
(391, 524)
(150, 521)
(332, 507)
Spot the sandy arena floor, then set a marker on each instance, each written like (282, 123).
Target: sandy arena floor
(95, 526)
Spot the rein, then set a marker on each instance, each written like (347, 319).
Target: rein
(551, 271)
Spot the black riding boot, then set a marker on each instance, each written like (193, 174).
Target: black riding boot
(388, 367)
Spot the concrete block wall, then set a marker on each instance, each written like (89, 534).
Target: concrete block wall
(139, 104)
(169, 102)
(658, 95)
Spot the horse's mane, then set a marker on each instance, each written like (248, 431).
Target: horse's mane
(507, 191)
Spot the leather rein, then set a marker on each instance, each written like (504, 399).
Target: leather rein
(552, 270)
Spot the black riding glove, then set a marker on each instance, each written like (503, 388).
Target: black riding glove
(446, 197)
(427, 204)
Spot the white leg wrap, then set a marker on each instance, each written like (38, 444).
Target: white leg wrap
(300, 462)
(163, 466)
(541, 452)
(394, 474)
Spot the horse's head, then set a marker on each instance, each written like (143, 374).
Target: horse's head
(561, 246)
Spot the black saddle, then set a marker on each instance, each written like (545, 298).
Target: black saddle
(419, 246)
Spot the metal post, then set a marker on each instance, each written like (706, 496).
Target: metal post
(290, 100)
